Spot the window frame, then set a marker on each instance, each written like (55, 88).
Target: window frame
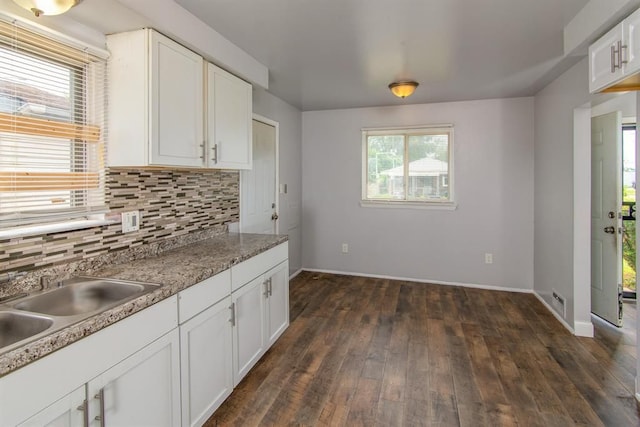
(78, 59)
(448, 204)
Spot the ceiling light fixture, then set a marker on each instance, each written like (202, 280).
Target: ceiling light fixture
(403, 89)
(47, 7)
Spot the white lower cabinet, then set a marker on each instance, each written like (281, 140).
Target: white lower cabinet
(135, 362)
(171, 364)
(277, 302)
(142, 390)
(66, 412)
(206, 366)
(248, 329)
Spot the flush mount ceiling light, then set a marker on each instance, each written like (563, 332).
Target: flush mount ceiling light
(47, 7)
(403, 89)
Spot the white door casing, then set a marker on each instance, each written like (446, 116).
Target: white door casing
(606, 223)
(258, 186)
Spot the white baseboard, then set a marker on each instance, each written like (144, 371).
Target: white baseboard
(295, 274)
(584, 329)
(411, 279)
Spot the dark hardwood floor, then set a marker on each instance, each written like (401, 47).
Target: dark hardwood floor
(375, 352)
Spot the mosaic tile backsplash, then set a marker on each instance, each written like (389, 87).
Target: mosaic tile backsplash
(172, 203)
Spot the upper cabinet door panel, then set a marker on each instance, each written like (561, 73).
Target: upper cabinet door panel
(602, 57)
(631, 41)
(228, 120)
(176, 76)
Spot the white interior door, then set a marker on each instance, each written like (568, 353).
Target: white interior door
(606, 223)
(258, 198)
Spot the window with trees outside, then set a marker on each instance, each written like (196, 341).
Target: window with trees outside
(52, 129)
(408, 166)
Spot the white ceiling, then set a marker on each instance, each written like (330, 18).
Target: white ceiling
(327, 54)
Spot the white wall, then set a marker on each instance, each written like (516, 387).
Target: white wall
(290, 122)
(554, 188)
(493, 156)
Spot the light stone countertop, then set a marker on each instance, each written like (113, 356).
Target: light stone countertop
(175, 270)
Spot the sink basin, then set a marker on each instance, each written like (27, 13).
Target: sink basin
(80, 296)
(16, 327)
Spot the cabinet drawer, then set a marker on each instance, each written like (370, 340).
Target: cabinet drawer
(198, 297)
(253, 267)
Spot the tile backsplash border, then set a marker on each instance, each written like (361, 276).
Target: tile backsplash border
(176, 207)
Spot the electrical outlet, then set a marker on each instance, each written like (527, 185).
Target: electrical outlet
(345, 248)
(488, 258)
(130, 221)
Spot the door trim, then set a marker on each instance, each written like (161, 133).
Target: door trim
(276, 125)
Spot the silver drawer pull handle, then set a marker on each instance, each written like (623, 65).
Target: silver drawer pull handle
(100, 397)
(232, 307)
(215, 153)
(85, 409)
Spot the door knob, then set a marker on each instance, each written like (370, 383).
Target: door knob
(274, 217)
(610, 230)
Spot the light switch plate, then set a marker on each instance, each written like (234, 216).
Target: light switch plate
(130, 221)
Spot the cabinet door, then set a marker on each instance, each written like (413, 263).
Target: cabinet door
(66, 412)
(601, 59)
(631, 39)
(176, 104)
(206, 362)
(248, 330)
(142, 390)
(277, 309)
(229, 114)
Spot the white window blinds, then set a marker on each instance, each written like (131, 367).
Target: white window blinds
(52, 128)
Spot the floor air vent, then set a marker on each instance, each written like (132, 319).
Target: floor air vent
(558, 304)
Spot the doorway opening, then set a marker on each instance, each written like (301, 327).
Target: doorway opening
(629, 211)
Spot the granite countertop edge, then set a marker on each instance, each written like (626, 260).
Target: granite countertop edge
(197, 261)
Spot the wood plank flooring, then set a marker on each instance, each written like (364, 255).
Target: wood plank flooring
(375, 352)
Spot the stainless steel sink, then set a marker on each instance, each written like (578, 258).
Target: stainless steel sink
(80, 296)
(37, 315)
(16, 326)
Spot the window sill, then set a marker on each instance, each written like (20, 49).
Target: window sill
(33, 230)
(442, 206)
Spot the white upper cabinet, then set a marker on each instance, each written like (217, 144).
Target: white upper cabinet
(229, 110)
(615, 58)
(603, 60)
(631, 39)
(156, 105)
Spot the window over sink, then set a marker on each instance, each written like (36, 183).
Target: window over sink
(52, 129)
